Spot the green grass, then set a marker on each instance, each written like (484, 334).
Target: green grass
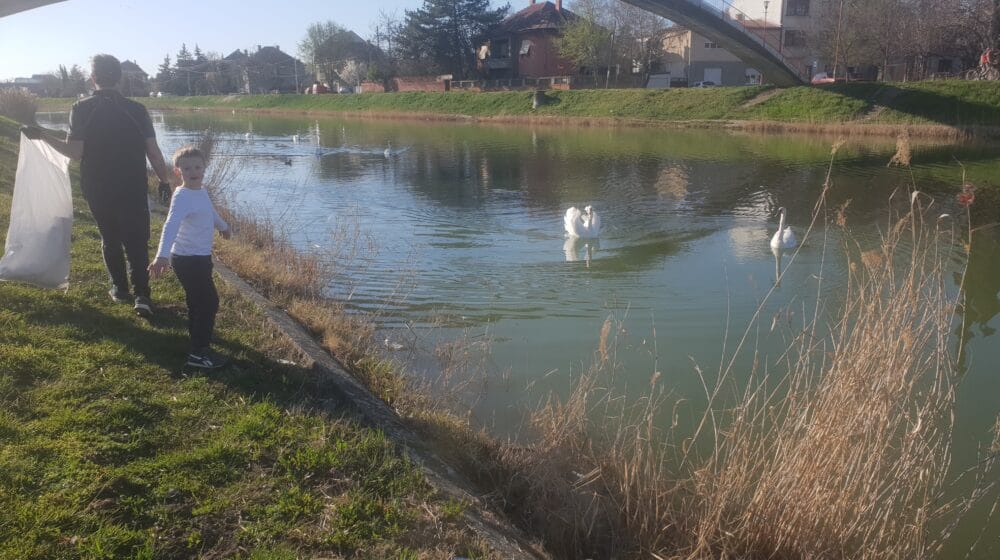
(949, 102)
(109, 449)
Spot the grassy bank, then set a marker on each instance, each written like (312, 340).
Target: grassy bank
(868, 106)
(109, 449)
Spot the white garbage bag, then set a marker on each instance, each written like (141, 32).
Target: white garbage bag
(41, 218)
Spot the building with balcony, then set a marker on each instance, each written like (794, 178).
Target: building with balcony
(524, 44)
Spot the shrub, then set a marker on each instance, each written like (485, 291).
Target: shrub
(19, 105)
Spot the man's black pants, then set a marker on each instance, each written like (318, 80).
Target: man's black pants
(195, 274)
(124, 228)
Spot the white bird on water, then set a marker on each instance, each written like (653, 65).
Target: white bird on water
(295, 139)
(784, 238)
(585, 225)
(388, 151)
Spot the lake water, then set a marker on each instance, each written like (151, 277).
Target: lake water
(467, 241)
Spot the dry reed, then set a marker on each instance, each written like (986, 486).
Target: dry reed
(19, 105)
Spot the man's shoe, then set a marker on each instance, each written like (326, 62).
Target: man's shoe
(143, 307)
(119, 296)
(206, 359)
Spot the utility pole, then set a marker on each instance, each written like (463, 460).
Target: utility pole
(764, 36)
(836, 51)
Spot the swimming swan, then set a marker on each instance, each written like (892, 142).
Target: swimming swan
(388, 151)
(586, 224)
(784, 238)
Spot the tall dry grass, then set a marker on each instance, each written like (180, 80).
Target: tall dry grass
(19, 105)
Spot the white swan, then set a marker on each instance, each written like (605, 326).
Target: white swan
(388, 151)
(784, 238)
(586, 224)
(295, 139)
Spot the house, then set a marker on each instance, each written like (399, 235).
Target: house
(42, 85)
(135, 82)
(349, 59)
(690, 58)
(524, 44)
(267, 70)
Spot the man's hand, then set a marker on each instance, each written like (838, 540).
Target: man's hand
(226, 233)
(157, 267)
(164, 192)
(31, 132)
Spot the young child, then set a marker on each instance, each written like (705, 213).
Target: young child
(187, 239)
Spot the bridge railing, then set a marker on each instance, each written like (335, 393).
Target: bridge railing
(732, 15)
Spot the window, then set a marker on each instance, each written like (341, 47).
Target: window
(795, 38)
(711, 45)
(797, 8)
(525, 47)
(501, 48)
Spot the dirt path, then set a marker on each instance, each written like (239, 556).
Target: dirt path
(762, 97)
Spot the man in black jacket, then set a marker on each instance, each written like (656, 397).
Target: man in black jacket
(112, 137)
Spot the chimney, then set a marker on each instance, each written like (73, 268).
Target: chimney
(558, 5)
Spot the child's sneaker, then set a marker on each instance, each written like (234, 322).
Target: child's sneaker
(118, 296)
(206, 359)
(143, 307)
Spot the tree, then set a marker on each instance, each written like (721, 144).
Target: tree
(585, 41)
(995, 26)
(385, 36)
(164, 75)
(638, 39)
(442, 35)
(327, 48)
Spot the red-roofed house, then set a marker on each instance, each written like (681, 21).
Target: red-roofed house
(524, 44)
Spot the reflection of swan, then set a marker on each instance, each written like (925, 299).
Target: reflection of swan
(572, 251)
(784, 238)
(777, 265)
(586, 224)
(295, 139)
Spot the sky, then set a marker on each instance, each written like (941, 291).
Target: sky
(38, 41)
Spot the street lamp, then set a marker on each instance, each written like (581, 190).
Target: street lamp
(766, 3)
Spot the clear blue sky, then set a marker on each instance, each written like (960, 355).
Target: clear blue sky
(38, 41)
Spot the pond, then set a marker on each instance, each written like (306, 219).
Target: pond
(450, 231)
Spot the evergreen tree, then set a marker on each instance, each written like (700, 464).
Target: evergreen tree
(183, 56)
(443, 34)
(164, 76)
(198, 55)
(182, 75)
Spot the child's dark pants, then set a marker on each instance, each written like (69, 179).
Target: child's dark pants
(195, 274)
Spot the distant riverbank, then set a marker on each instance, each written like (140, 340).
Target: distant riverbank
(950, 108)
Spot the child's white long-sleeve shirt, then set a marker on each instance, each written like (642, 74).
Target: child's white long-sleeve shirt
(190, 226)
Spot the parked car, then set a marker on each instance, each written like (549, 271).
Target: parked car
(705, 84)
(825, 78)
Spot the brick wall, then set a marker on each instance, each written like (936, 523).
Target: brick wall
(421, 83)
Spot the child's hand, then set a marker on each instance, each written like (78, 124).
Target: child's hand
(226, 233)
(157, 267)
